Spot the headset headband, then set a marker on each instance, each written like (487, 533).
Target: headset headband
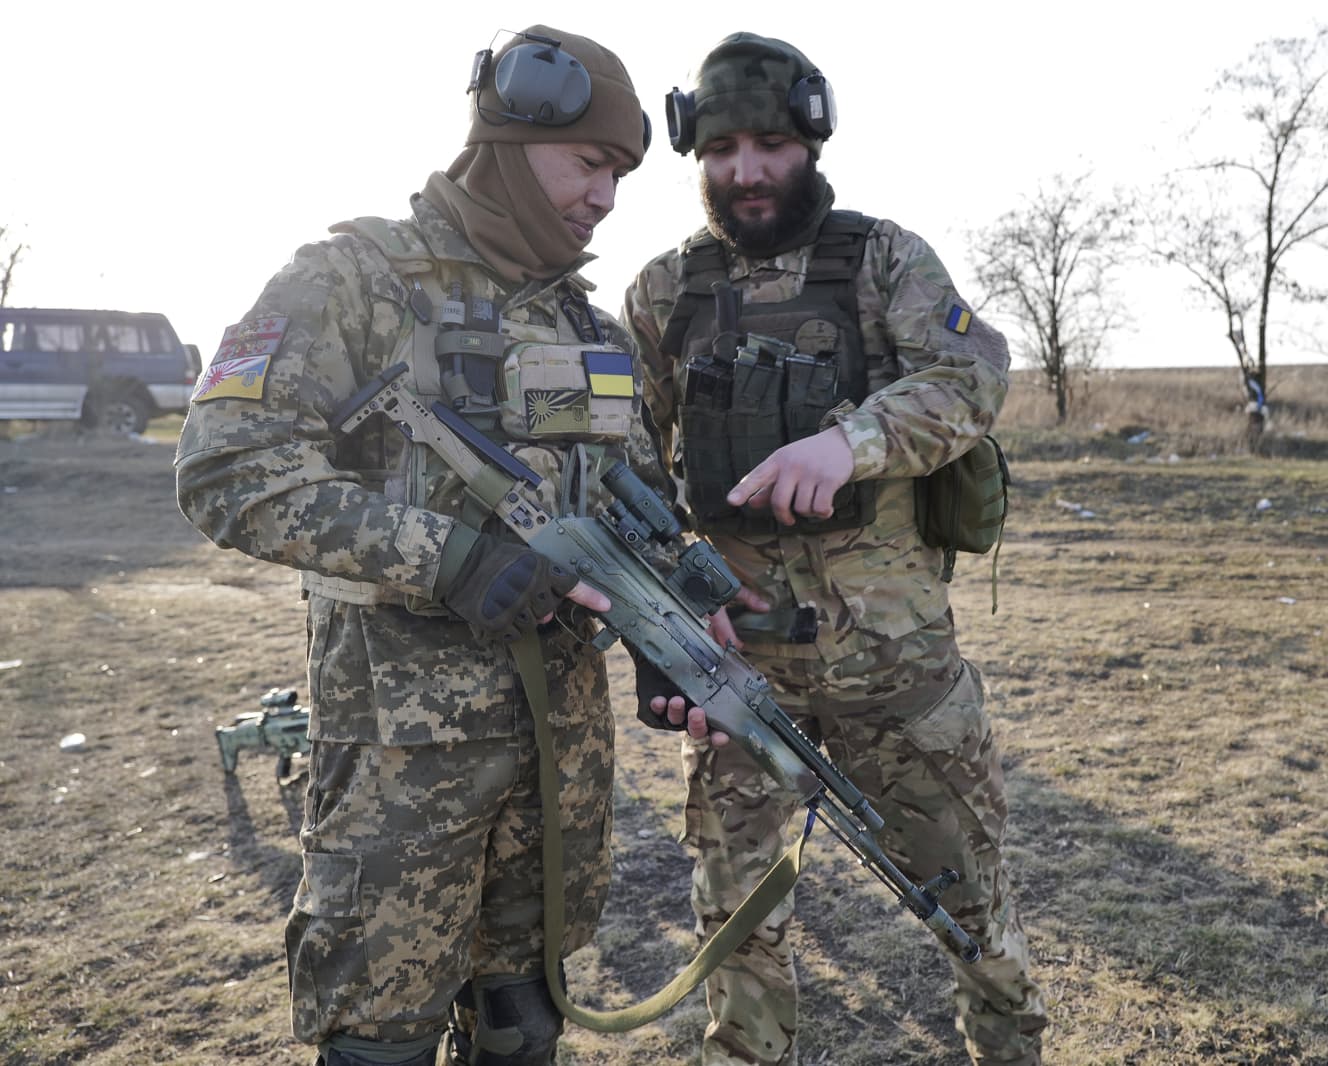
(811, 105)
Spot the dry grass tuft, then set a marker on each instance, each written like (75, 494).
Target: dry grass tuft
(1158, 413)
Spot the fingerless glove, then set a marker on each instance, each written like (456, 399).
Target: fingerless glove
(502, 589)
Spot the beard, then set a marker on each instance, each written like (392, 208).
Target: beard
(796, 197)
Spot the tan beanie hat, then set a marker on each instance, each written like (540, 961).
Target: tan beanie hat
(613, 117)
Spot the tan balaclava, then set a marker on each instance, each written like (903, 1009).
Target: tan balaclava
(493, 197)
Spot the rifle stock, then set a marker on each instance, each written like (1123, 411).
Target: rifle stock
(663, 619)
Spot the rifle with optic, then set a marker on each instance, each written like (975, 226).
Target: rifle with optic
(281, 726)
(662, 617)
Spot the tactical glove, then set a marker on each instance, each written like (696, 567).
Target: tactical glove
(651, 682)
(502, 589)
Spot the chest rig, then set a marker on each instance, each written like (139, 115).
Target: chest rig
(759, 375)
(534, 372)
(542, 379)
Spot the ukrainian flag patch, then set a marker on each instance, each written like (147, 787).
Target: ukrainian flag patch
(958, 319)
(608, 373)
(241, 379)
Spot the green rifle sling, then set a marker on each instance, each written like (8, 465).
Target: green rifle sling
(776, 884)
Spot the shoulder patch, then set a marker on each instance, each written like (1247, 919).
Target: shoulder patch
(958, 319)
(608, 373)
(241, 363)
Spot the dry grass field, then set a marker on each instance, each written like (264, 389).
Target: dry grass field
(1158, 671)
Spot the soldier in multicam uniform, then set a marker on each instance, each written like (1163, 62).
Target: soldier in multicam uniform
(845, 609)
(422, 827)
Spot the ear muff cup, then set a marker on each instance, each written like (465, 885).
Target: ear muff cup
(543, 84)
(812, 105)
(680, 110)
(538, 82)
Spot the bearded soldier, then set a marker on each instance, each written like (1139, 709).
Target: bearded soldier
(422, 889)
(800, 465)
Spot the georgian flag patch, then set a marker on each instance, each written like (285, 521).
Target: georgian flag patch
(241, 364)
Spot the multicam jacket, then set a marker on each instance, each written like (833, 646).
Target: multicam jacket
(365, 518)
(936, 379)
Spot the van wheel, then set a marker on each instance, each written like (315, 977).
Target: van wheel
(121, 413)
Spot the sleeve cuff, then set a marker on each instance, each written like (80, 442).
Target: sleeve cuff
(863, 431)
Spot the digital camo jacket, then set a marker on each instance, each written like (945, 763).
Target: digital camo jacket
(365, 518)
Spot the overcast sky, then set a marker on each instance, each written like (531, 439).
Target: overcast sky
(171, 156)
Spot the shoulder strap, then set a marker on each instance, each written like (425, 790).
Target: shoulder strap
(840, 246)
(838, 254)
(703, 262)
(836, 259)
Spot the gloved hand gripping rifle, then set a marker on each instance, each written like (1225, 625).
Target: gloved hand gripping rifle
(663, 618)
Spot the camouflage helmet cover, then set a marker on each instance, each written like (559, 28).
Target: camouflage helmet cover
(745, 83)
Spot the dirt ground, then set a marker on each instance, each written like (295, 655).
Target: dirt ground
(1158, 671)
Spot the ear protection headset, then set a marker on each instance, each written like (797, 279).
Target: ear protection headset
(536, 82)
(811, 104)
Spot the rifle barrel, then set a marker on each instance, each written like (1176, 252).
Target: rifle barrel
(919, 899)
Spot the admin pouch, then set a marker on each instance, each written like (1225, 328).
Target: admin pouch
(961, 507)
(566, 392)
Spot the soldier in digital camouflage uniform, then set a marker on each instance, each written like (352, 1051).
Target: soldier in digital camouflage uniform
(422, 827)
(847, 614)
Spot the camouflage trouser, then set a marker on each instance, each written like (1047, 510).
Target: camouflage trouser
(422, 866)
(907, 725)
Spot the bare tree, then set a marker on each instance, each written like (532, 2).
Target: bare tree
(1244, 225)
(1048, 267)
(8, 262)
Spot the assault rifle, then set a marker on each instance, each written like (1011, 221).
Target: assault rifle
(281, 726)
(662, 618)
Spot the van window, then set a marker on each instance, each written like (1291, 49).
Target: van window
(56, 337)
(105, 368)
(133, 340)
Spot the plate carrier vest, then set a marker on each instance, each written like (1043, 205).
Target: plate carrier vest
(742, 401)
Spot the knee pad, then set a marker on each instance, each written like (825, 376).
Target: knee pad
(516, 1023)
